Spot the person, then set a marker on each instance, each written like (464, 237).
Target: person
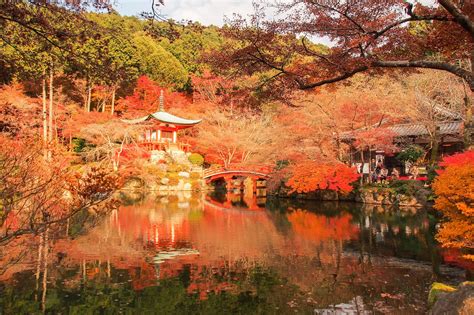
(413, 172)
(379, 164)
(395, 173)
(383, 174)
(373, 176)
(372, 165)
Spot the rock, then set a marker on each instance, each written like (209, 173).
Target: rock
(460, 301)
(134, 183)
(183, 174)
(436, 289)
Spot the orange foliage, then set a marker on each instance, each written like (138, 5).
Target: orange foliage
(319, 228)
(454, 188)
(379, 138)
(310, 176)
(81, 119)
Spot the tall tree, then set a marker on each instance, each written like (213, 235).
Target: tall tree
(365, 36)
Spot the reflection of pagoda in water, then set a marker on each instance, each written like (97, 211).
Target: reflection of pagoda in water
(175, 238)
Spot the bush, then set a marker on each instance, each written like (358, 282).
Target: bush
(195, 175)
(78, 145)
(196, 159)
(406, 187)
(411, 154)
(174, 179)
(455, 200)
(176, 168)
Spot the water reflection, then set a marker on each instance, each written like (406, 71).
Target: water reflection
(188, 253)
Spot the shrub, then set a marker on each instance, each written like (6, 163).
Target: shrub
(78, 144)
(174, 179)
(411, 154)
(311, 176)
(195, 175)
(176, 168)
(455, 200)
(406, 187)
(196, 159)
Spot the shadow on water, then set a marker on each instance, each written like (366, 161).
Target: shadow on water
(195, 254)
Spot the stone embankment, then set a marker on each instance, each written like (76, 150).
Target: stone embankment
(417, 196)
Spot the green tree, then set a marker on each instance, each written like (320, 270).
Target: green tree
(159, 64)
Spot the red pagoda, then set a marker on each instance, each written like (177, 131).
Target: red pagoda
(162, 130)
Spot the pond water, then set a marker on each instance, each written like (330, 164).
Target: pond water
(197, 254)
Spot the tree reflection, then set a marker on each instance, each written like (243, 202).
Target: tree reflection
(185, 254)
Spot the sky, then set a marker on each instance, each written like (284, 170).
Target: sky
(205, 11)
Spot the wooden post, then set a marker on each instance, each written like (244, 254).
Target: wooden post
(175, 137)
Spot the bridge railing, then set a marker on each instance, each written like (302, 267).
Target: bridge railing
(214, 170)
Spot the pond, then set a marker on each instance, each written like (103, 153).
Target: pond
(214, 254)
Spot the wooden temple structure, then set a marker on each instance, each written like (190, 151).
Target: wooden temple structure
(162, 130)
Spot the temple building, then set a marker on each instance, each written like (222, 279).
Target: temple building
(162, 130)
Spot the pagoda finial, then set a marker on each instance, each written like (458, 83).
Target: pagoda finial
(162, 101)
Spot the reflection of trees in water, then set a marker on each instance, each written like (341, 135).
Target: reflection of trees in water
(324, 255)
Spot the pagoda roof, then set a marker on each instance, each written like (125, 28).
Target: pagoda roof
(164, 117)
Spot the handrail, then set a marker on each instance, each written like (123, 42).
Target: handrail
(222, 171)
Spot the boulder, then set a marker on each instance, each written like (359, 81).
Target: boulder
(460, 301)
(183, 174)
(180, 185)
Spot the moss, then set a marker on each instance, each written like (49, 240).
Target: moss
(196, 159)
(436, 289)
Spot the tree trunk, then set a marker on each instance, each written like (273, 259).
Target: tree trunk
(38, 264)
(469, 103)
(89, 92)
(469, 123)
(434, 149)
(45, 110)
(50, 122)
(114, 90)
(45, 271)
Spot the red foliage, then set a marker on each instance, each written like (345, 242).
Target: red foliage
(310, 176)
(81, 119)
(464, 158)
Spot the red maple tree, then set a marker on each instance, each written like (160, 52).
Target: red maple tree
(310, 176)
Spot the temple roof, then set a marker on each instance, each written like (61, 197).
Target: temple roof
(165, 118)
(415, 130)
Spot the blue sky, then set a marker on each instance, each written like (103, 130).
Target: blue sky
(205, 11)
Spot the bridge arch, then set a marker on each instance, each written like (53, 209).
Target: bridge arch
(214, 174)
